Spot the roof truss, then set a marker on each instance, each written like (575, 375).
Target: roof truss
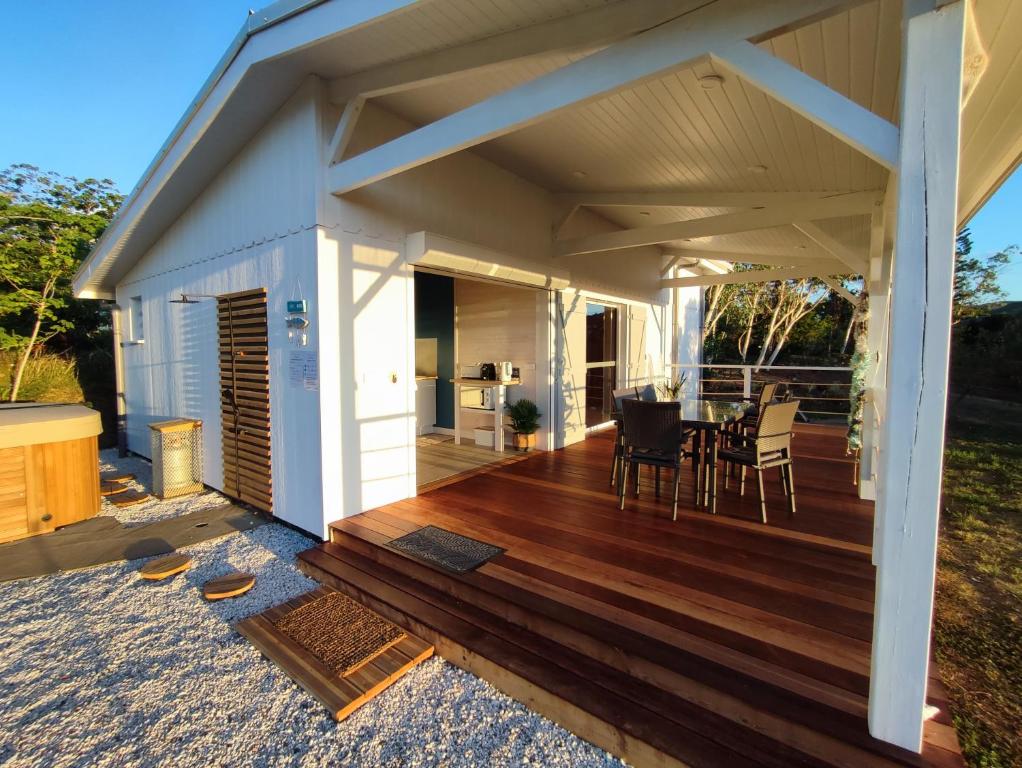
(851, 204)
(756, 276)
(853, 124)
(658, 51)
(594, 28)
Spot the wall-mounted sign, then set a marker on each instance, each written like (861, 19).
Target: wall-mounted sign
(303, 370)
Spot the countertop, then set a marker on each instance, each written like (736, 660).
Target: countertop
(35, 423)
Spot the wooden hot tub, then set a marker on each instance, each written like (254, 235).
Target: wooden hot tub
(49, 467)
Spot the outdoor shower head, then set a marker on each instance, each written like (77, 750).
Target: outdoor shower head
(191, 298)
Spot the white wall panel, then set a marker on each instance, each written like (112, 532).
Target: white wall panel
(253, 227)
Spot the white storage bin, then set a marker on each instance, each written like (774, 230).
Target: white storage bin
(484, 437)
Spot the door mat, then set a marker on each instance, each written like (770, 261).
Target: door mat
(447, 549)
(339, 632)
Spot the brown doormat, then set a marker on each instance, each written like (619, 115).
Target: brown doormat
(445, 548)
(339, 632)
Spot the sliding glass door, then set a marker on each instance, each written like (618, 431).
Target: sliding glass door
(601, 362)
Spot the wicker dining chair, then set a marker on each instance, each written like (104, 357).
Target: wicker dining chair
(620, 395)
(771, 447)
(750, 421)
(653, 436)
(647, 393)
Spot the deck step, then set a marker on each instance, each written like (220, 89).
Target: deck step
(661, 702)
(340, 695)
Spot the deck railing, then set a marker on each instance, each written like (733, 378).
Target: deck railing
(822, 390)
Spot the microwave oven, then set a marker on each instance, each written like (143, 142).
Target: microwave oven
(480, 398)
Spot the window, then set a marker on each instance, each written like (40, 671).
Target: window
(601, 362)
(136, 331)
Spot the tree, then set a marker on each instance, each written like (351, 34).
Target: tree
(48, 223)
(787, 302)
(976, 277)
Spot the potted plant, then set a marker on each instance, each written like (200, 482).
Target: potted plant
(524, 415)
(669, 389)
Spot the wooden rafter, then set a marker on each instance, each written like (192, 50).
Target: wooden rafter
(345, 129)
(656, 52)
(590, 29)
(836, 248)
(820, 270)
(691, 199)
(835, 113)
(731, 223)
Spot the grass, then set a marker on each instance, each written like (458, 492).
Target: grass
(47, 379)
(978, 622)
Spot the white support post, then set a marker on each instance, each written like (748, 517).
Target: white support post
(747, 382)
(909, 499)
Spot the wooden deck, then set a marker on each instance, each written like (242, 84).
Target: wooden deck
(710, 641)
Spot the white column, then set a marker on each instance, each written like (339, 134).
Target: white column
(917, 370)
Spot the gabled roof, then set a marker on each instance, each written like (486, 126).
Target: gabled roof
(664, 134)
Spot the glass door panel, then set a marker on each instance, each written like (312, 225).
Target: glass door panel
(601, 362)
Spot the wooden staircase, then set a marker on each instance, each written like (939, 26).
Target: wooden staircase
(642, 698)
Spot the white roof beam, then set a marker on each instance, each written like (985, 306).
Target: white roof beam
(853, 124)
(345, 129)
(840, 290)
(597, 27)
(851, 204)
(728, 257)
(663, 49)
(856, 262)
(755, 276)
(690, 199)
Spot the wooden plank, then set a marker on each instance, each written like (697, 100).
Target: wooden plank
(754, 636)
(340, 695)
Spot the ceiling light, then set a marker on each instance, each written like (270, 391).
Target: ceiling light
(709, 82)
(757, 168)
(579, 174)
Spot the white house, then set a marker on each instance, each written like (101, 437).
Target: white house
(555, 159)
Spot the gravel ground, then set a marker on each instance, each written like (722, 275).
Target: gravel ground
(99, 668)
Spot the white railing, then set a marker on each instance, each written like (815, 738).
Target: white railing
(821, 399)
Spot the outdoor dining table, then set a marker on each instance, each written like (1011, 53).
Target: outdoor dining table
(708, 418)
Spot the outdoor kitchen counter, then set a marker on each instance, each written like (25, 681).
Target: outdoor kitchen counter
(49, 467)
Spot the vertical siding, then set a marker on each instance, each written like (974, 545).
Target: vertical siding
(254, 226)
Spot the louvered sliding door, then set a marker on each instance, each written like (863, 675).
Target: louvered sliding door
(245, 397)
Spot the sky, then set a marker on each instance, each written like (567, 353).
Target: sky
(95, 88)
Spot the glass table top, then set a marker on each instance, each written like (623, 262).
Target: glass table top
(709, 412)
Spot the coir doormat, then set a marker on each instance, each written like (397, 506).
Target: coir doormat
(341, 633)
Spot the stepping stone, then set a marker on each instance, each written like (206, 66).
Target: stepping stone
(113, 476)
(111, 487)
(162, 567)
(129, 498)
(231, 585)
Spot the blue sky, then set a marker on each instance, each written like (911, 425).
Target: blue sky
(94, 89)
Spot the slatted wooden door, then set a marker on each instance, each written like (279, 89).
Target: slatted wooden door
(245, 397)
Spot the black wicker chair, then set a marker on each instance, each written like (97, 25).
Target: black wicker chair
(620, 395)
(653, 436)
